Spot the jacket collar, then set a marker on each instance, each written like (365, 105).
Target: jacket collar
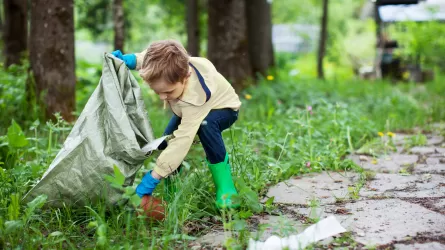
(196, 91)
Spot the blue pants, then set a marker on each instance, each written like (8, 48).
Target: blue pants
(210, 132)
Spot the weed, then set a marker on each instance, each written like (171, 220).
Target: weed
(369, 175)
(415, 140)
(276, 137)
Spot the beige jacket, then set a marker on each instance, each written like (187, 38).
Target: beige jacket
(193, 108)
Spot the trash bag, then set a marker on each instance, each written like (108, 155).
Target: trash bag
(112, 130)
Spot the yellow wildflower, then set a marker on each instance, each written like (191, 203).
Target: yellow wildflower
(270, 78)
(374, 161)
(380, 134)
(405, 75)
(391, 134)
(248, 97)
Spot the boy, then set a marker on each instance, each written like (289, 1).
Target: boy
(203, 103)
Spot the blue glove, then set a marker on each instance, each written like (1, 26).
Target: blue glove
(129, 59)
(147, 185)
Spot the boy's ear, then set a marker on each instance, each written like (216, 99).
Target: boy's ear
(186, 78)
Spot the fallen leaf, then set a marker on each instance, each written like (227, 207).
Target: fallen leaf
(342, 210)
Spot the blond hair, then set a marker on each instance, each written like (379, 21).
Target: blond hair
(167, 60)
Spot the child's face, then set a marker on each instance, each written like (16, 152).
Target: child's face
(168, 91)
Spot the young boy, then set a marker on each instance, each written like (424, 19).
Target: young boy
(203, 103)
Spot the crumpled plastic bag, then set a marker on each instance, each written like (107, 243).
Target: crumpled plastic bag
(112, 130)
(321, 230)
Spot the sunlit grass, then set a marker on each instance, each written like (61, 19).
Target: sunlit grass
(287, 127)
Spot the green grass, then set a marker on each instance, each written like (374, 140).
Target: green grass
(277, 136)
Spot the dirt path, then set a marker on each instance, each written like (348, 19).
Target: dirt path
(398, 203)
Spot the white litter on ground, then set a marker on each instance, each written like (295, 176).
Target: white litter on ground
(321, 230)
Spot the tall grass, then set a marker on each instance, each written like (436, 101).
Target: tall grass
(287, 126)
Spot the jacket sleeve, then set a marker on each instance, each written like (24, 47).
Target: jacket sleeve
(171, 158)
(140, 59)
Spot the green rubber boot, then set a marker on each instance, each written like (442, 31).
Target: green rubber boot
(225, 189)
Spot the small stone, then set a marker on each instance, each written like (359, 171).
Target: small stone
(361, 234)
(363, 158)
(420, 246)
(301, 191)
(432, 161)
(410, 186)
(434, 140)
(423, 150)
(439, 150)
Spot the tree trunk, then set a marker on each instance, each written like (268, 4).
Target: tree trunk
(192, 27)
(119, 26)
(259, 26)
(1, 18)
(52, 55)
(15, 30)
(379, 42)
(323, 38)
(227, 40)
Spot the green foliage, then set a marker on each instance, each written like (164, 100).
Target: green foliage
(377, 147)
(353, 45)
(288, 126)
(351, 41)
(87, 76)
(145, 21)
(420, 41)
(16, 138)
(415, 140)
(287, 11)
(13, 98)
(94, 15)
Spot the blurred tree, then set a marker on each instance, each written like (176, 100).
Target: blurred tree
(287, 11)
(1, 17)
(94, 15)
(420, 43)
(175, 9)
(340, 30)
(144, 20)
(227, 40)
(259, 26)
(16, 31)
(52, 55)
(323, 38)
(119, 26)
(193, 37)
(345, 31)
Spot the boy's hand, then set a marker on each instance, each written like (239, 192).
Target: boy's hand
(148, 184)
(129, 59)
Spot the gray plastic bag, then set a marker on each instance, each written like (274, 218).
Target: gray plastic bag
(113, 129)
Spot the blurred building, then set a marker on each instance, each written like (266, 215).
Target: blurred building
(295, 38)
(423, 11)
(386, 12)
